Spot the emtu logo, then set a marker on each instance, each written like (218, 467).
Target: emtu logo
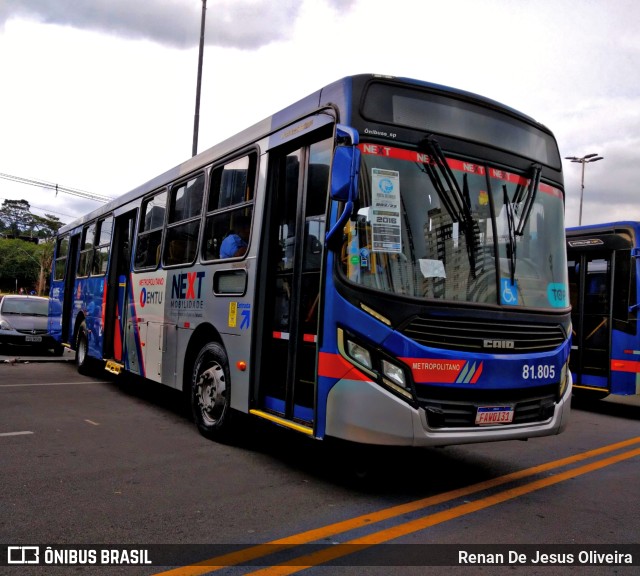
(150, 297)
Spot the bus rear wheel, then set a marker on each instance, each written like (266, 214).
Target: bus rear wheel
(210, 392)
(83, 360)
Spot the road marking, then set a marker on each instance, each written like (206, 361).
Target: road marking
(91, 422)
(54, 384)
(261, 550)
(346, 548)
(16, 433)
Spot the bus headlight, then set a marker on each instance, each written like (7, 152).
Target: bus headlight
(359, 354)
(394, 378)
(394, 373)
(373, 362)
(564, 379)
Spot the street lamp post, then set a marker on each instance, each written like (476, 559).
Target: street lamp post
(196, 117)
(583, 160)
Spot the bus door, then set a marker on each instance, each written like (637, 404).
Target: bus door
(295, 227)
(118, 286)
(69, 290)
(590, 280)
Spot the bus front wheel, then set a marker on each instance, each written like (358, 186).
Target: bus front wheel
(210, 392)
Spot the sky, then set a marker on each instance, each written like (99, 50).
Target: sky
(99, 95)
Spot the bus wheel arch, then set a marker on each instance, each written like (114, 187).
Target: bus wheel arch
(207, 384)
(201, 336)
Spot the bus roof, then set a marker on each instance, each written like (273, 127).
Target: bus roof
(603, 227)
(332, 95)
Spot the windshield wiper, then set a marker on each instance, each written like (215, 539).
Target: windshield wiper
(527, 198)
(511, 225)
(457, 202)
(442, 174)
(522, 204)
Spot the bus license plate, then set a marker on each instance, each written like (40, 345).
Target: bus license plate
(33, 338)
(494, 415)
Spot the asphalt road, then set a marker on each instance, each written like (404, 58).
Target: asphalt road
(117, 462)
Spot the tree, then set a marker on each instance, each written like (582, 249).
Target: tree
(25, 264)
(47, 226)
(16, 218)
(19, 264)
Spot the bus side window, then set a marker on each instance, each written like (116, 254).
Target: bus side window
(62, 252)
(183, 224)
(216, 229)
(85, 262)
(150, 231)
(103, 244)
(230, 202)
(624, 291)
(316, 206)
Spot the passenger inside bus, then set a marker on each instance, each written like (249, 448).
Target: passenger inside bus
(235, 243)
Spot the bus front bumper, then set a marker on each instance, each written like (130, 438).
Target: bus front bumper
(364, 412)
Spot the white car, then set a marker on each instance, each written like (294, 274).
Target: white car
(23, 324)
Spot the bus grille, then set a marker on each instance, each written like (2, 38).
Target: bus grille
(34, 331)
(485, 335)
(530, 404)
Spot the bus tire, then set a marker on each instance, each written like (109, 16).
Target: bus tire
(83, 360)
(210, 393)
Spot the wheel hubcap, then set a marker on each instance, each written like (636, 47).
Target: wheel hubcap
(211, 393)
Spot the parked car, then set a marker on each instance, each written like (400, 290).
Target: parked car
(23, 324)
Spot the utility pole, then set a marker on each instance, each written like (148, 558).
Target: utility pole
(196, 119)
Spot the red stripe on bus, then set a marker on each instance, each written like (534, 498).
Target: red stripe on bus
(477, 374)
(459, 165)
(422, 157)
(117, 337)
(103, 311)
(625, 365)
(435, 370)
(335, 366)
(285, 336)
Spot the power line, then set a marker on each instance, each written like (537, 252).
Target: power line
(57, 188)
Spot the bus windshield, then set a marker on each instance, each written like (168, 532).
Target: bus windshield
(456, 230)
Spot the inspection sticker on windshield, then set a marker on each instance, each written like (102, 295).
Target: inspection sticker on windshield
(494, 415)
(385, 210)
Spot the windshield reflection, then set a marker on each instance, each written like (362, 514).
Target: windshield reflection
(442, 228)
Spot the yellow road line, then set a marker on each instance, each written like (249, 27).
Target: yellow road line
(338, 551)
(260, 550)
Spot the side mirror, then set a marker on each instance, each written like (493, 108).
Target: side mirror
(344, 176)
(343, 173)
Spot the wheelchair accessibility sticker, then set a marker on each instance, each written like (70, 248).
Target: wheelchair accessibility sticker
(508, 292)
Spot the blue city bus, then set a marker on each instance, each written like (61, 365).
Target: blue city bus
(402, 280)
(603, 288)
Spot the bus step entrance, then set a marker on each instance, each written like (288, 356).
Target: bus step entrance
(282, 422)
